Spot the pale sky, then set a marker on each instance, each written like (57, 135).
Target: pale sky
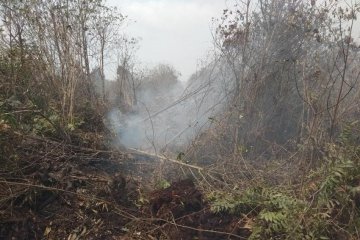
(176, 32)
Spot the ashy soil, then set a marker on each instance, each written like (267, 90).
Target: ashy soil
(53, 190)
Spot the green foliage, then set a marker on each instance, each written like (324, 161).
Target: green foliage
(77, 122)
(45, 125)
(330, 210)
(350, 138)
(338, 175)
(162, 184)
(275, 210)
(224, 202)
(250, 198)
(335, 206)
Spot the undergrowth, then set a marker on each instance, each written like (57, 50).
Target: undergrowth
(327, 206)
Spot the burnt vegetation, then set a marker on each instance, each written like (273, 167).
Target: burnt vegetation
(263, 142)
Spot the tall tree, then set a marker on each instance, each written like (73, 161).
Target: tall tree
(66, 35)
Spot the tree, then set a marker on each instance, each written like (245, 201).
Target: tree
(291, 75)
(64, 37)
(160, 78)
(106, 31)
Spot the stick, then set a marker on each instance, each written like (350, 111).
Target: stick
(166, 158)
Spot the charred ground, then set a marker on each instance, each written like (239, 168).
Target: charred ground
(56, 190)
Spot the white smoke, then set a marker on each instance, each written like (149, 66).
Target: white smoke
(169, 119)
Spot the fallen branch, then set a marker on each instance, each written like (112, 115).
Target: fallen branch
(165, 158)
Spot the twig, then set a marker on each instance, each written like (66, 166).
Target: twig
(166, 158)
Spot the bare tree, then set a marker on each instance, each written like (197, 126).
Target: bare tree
(106, 26)
(61, 35)
(293, 77)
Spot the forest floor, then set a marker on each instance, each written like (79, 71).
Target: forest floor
(53, 190)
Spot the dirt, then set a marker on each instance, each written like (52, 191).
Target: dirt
(181, 212)
(61, 191)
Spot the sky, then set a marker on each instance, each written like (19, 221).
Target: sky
(175, 32)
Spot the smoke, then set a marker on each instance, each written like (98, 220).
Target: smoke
(167, 117)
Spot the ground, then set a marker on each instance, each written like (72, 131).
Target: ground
(54, 190)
